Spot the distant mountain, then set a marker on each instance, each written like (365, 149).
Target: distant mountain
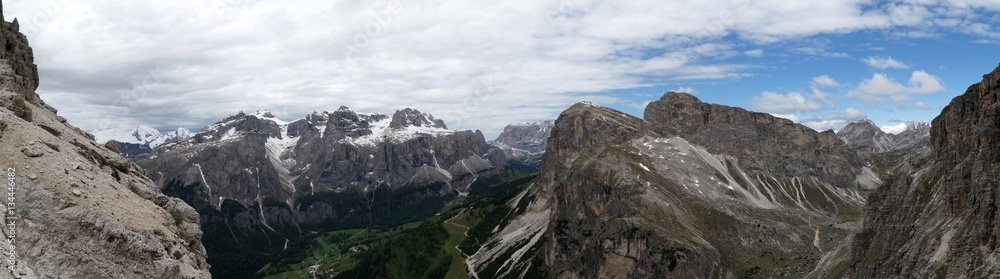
(524, 144)
(864, 135)
(141, 139)
(258, 179)
(72, 207)
(692, 190)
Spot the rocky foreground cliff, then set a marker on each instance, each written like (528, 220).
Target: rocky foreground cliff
(692, 190)
(940, 220)
(80, 210)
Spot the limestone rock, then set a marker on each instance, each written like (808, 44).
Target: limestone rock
(692, 190)
(95, 230)
(940, 220)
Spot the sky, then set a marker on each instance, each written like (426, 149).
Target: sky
(485, 64)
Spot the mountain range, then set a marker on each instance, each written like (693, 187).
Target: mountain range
(689, 190)
(524, 144)
(864, 135)
(257, 179)
(141, 139)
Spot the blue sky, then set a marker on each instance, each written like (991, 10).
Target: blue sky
(484, 64)
(955, 60)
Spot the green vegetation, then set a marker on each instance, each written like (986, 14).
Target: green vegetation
(178, 217)
(526, 164)
(457, 228)
(403, 240)
(418, 253)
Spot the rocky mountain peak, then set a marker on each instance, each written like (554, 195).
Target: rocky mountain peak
(865, 135)
(524, 139)
(413, 118)
(18, 72)
(664, 196)
(739, 133)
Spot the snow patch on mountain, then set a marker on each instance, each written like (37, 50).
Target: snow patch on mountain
(141, 134)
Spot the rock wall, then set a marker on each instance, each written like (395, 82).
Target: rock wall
(82, 210)
(941, 221)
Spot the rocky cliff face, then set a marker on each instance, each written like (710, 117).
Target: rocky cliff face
(693, 190)
(524, 144)
(524, 139)
(941, 221)
(330, 170)
(865, 136)
(80, 210)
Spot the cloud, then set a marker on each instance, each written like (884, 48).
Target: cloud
(788, 103)
(815, 51)
(789, 116)
(824, 81)
(639, 106)
(476, 65)
(881, 88)
(883, 63)
(922, 105)
(754, 53)
(686, 89)
(895, 129)
(836, 120)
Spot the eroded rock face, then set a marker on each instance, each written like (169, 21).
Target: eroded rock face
(82, 210)
(524, 139)
(940, 221)
(761, 142)
(694, 190)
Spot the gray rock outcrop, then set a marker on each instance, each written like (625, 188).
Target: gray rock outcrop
(940, 220)
(81, 210)
(692, 190)
(865, 136)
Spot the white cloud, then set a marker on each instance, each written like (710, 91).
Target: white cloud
(824, 81)
(836, 120)
(476, 65)
(754, 53)
(788, 103)
(883, 63)
(921, 105)
(686, 89)
(639, 106)
(881, 88)
(789, 116)
(895, 129)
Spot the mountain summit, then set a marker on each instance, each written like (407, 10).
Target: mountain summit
(692, 190)
(141, 139)
(864, 135)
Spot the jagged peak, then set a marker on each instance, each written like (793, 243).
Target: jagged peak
(408, 117)
(679, 97)
(263, 113)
